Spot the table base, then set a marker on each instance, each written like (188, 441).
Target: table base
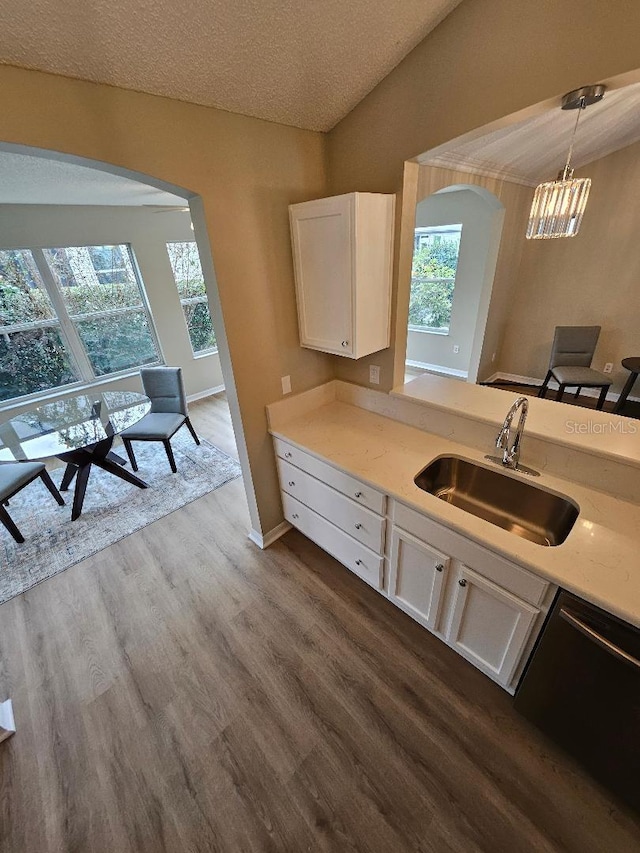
(79, 464)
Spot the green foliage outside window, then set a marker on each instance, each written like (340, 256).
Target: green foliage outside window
(36, 359)
(189, 278)
(432, 281)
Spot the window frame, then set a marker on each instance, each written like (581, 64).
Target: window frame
(65, 323)
(443, 231)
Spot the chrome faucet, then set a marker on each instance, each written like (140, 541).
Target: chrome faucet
(511, 451)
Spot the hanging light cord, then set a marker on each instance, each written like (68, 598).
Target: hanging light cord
(567, 169)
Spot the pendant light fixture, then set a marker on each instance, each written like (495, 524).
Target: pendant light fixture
(558, 206)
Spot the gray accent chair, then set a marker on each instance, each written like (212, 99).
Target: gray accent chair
(570, 362)
(165, 389)
(14, 476)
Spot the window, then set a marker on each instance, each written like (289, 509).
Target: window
(433, 276)
(70, 315)
(187, 273)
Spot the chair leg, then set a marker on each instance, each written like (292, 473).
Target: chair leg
(543, 387)
(46, 479)
(172, 461)
(5, 518)
(192, 430)
(577, 394)
(130, 454)
(602, 397)
(560, 393)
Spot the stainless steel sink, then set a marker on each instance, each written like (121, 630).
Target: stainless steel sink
(504, 500)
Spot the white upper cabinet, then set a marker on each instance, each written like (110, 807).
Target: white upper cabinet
(342, 254)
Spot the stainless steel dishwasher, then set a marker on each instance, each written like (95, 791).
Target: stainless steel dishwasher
(582, 687)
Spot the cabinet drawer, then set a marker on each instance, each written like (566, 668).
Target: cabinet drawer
(356, 520)
(519, 581)
(341, 482)
(352, 554)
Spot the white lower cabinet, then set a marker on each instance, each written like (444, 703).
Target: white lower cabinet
(488, 625)
(341, 514)
(417, 576)
(484, 606)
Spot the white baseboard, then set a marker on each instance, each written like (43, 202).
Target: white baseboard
(612, 396)
(438, 369)
(270, 537)
(199, 395)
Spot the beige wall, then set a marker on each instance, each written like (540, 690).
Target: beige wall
(488, 59)
(147, 230)
(246, 171)
(590, 279)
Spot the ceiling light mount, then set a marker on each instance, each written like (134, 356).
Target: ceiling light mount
(558, 206)
(581, 98)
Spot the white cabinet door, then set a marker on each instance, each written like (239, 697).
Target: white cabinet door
(322, 234)
(416, 578)
(489, 626)
(342, 255)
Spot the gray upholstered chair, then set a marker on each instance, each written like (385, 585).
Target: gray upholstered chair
(164, 387)
(14, 476)
(570, 362)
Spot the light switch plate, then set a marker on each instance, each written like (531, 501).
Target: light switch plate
(286, 384)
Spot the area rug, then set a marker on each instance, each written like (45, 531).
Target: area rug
(112, 510)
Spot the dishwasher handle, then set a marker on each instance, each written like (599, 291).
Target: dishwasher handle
(597, 638)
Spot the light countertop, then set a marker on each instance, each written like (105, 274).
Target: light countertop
(599, 433)
(600, 559)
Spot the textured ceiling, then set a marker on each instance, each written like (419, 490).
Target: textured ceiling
(301, 62)
(37, 180)
(536, 149)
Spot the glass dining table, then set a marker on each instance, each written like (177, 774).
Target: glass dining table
(79, 431)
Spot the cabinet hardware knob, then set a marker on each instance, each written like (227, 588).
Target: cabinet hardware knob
(358, 494)
(345, 343)
(295, 515)
(358, 527)
(288, 455)
(462, 582)
(358, 562)
(439, 567)
(291, 482)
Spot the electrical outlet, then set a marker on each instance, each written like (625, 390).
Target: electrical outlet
(374, 374)
(286, 384)
(456, 348)
(608, 367)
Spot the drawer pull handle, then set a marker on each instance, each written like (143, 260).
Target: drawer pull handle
(439, 567)
(462, 582)
(291, 482)
(295, 515)
(345, 343)
(359, 563)
(288, 455)
(358, 494)
(358, 527)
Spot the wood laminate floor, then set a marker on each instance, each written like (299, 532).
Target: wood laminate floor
(184, 691)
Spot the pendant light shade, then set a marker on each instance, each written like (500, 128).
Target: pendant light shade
(558, 206)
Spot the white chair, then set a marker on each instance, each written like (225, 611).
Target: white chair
(165, 389)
